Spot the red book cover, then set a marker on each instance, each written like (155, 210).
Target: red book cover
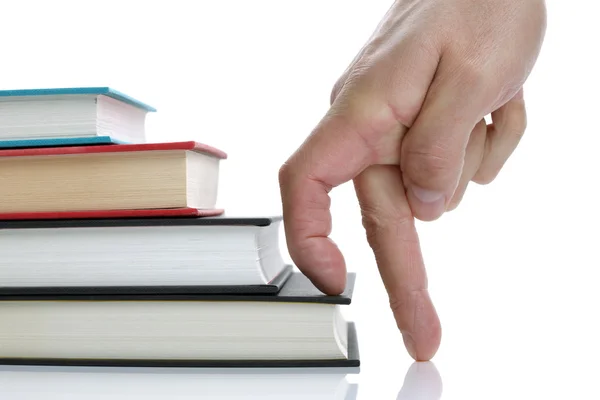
(116, 148)
(110, 214)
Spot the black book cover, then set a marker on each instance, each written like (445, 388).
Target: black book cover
(272, 287)
(353, 361)
(298, 288)
(222, 220)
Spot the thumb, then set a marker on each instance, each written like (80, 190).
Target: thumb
(433, 150)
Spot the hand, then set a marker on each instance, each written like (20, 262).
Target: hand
(407, 125)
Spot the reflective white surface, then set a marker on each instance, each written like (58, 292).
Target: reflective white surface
(421, 381)
(97, 383)
(514, 272)
(462, 379)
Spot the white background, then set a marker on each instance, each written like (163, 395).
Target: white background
(513, 272)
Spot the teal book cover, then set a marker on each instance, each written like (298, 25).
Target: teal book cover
(58, 142)
(105, 91)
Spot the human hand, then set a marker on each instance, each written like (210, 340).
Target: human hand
(407, 125)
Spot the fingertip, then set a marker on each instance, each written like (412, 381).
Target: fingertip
(321, 261)
(410, 345)
(428, 330)
(426, 346)
(430, 347)
(420, 326)
(329, 284)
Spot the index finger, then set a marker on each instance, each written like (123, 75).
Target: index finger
(391, 233)
(336, 151)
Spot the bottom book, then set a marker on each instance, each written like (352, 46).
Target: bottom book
(297, 327)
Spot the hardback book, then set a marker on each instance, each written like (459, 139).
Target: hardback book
(142, 255)
(109, 214)
(109, 178)
(58, 142)
(67, 383)
(84, 115)
(297, 327)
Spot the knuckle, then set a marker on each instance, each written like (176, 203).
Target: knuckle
(396, 305)
(284, 174)
(404, 299)
(377, 219)
(371, 220)
(524, 123)
(335, 91)
(454, 203)
(378, 222)
(519, 128)
(517, 133)
(473, 73)
(485, 176)
(514, 123)
(372, 224)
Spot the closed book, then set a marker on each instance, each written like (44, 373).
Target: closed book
(297, 327)
(109, 178)
(58, 142)
(80, 113)
(111, 214)
(222, 254)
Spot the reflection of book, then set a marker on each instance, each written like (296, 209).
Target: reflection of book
(96, 384)
(38, 117)
(297, 327)
(114, 177)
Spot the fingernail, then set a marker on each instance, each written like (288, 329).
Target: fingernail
(410, 345)
(426, 196)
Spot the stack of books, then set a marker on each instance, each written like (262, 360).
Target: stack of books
(114, 251)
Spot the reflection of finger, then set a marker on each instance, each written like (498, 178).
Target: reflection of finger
(422, 381)
(509, 123)
(392, 235)
(473, 157)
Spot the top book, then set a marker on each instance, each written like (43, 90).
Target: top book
(85, 114)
